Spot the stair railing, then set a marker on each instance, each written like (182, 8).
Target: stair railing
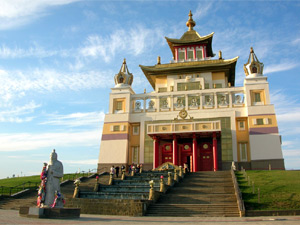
(9, 191)
(238, 194)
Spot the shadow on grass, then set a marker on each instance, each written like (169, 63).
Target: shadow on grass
(243, 182)
(244, 189)
(255, 206)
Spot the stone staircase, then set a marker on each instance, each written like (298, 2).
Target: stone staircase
(133, 187)
(199, 194)
(87, 184)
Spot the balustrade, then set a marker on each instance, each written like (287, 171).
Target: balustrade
(188, 100)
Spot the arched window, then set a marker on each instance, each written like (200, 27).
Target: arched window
(254, 69)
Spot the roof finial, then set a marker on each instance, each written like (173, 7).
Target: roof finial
(251, 50)
(190, 23)
(124, 61)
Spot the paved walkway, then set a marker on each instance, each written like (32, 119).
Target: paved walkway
(12, 217)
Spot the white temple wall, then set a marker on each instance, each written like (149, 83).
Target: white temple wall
(265, 146)
(113, 151)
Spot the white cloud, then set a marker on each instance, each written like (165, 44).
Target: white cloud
(135, 40)
(202, 9)
(29, 141)
(296, 41)
(291, 153)
(288, 143)
(35, 51)
(75, 119)
(280, 67)
(14, 83)
(16, 113)
(14, 13)
(290, 116)
(287, 109)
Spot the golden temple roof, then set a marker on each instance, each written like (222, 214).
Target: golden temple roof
(191, 37)
(228, 66)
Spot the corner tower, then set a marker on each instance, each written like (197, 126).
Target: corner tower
(116, 127)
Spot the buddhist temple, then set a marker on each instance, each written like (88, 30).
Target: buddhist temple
(195, 115)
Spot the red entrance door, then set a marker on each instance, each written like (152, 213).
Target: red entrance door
(206, 157)
(186, 155)
(167, 153)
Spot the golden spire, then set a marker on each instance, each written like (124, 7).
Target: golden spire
(251, 50)
(124, 61)
(190, 23)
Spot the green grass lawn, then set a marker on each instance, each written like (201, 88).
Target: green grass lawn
(27, 182)
(278, 189)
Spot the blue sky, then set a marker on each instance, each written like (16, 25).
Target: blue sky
(58, 60)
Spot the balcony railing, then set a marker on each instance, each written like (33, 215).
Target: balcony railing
(189, 100)
(184, 127)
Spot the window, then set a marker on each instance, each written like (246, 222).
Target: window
(259, 122)
(241, 125)
(199, 54)
(119, 105)
(193, 86)
(181, 56)
(262, 121)
(188, 86)
(217, 85)
(162, 89)
(181, 87)
(135, 155)
(243, 151)
(254, 69)
(257, 97)
(190, 54)
(206, 85)
(116, 128)
(135, 130)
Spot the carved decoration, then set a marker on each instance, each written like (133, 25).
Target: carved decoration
(183, 114)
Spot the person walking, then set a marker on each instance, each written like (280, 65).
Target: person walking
(112, 171)
(117, 171)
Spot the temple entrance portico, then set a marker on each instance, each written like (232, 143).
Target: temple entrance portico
(191, 143)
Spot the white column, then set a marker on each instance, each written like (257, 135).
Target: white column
(186, 102)
(158, 104)
(144, 105)
(201, 101)
(216, 100)
(230, 99)
(172, 102)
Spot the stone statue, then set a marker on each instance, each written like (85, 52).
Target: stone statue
(238, 99)
(137, 106)
(54, 172)
(179, 103)
(151, 104)
(194, 102)
(165, 103)
(223, 100)
(208, 101)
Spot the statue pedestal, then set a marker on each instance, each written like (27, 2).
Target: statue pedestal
(52, 213)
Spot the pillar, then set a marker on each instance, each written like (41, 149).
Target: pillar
(215, 151)
(145, 105)
(175, 150)
(195, 158)
(216, 100)
(155, 152)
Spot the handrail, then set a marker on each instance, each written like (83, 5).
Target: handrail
(238, 194)
(4, 190)
(9, 191)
